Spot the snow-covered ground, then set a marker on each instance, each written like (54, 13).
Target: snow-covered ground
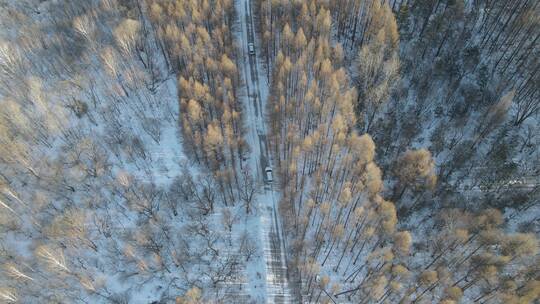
(148, 241)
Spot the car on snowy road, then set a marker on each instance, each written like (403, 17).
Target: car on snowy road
(268, 172)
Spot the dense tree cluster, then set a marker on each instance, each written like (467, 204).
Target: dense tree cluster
(474, 260)
(335, 215)
(197, 39)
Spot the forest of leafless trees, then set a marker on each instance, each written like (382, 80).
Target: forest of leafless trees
(403, 134)
(97, 201)
(445, 89)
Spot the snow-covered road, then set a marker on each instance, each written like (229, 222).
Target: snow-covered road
(278, 289)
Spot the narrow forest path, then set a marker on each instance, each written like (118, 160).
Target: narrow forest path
(278, 289)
